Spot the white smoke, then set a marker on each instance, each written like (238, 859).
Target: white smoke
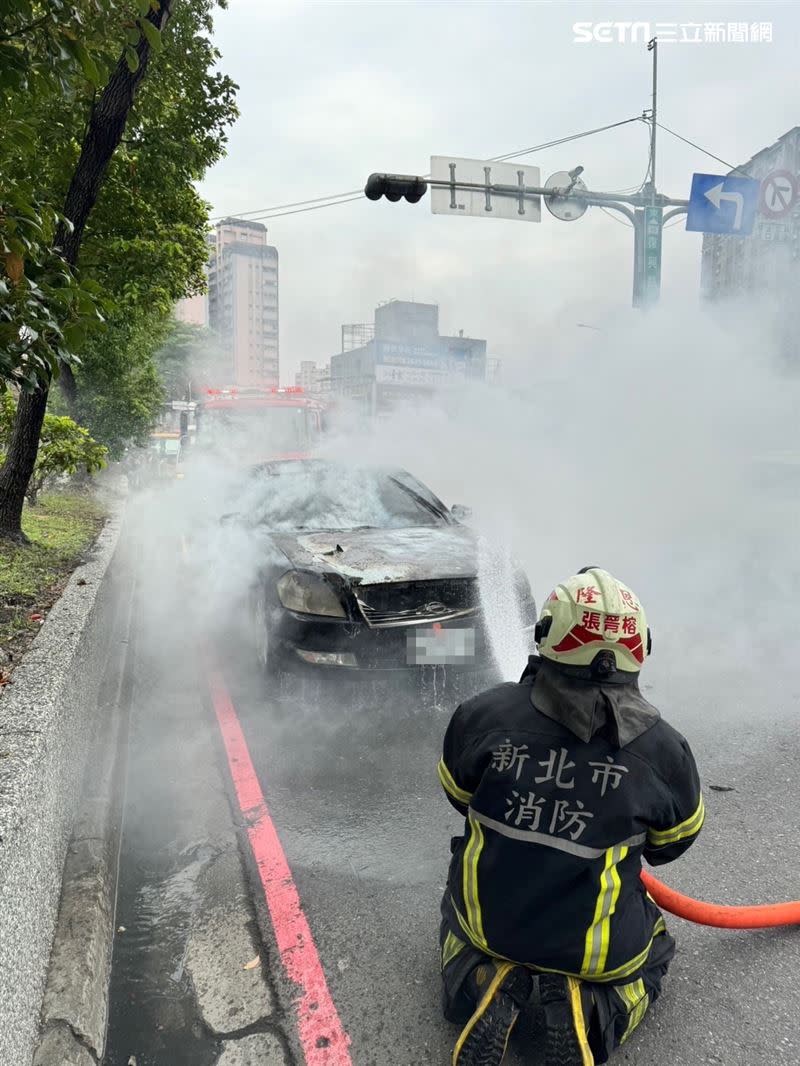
(643, 448)
(646, 448)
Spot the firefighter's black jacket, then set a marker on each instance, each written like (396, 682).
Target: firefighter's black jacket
(565, 783)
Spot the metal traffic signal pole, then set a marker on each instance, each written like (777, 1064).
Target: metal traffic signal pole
(652, 46)
(645, 213)
(645, 210)
(649, 219)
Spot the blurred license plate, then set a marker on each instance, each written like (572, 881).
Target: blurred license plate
(441, 647)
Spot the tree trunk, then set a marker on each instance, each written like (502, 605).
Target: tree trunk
(69, 388)
(103, 134)
(17, 470)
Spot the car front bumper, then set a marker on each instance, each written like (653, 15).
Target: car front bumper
(324, 646)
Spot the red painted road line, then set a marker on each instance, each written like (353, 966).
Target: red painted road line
(324, 1041)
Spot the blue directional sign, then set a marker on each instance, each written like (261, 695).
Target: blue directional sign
(720, 204)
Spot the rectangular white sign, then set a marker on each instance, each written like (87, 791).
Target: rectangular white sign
(412, 375)
(482, 202)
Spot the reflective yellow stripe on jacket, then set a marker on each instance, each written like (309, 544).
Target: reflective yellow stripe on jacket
(598, 935)
(449, 784)
(625, 970)
(688, 828)
(451, 948)
(472, 904)
(636, 1001)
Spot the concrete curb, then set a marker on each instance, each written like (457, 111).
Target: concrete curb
(75, 1005)
(48, 719)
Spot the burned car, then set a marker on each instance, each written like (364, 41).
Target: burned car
(363, 570)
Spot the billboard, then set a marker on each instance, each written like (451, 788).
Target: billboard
(391, 353)
(418, 377)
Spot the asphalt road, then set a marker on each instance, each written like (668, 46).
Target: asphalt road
(366, 832)
(190, 980)
(353, 794)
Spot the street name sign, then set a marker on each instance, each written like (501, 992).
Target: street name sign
(723, 204)
(651, 265)
(483, 202)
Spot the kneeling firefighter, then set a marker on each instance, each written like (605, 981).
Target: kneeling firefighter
(566, 780)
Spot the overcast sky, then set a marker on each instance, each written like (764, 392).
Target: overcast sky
(331, 91)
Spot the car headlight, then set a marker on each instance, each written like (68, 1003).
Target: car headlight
(309, 594)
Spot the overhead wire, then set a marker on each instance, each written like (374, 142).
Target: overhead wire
(351, 195)
(563, 140)
(622, 221)
(700, 148)
(643, 182)
(301, 210)
(692, 144)
(355, 193)
(281, 207)
(280, 210)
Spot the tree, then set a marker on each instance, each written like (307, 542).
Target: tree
(64, 447)
(80, 145)
(191, 358)
(120, 392)
(39, 52)
(104, 130)
(146, 242)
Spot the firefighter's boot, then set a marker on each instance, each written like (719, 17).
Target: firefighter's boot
(567, 1004)
(502, 991)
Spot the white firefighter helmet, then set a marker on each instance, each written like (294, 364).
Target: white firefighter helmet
(590, 613)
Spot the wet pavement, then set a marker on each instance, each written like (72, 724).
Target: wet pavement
(190, 981)
(366, 830)
(352, 790)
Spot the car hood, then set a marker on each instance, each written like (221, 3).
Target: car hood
(374, 556)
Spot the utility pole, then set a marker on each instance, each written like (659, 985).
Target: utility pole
(649, 220)
(652, 46)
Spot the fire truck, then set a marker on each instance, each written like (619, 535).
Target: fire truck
(259, 424)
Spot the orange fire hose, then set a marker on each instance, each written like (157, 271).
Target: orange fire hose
(694, 910)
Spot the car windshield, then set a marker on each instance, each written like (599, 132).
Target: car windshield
(321, 496)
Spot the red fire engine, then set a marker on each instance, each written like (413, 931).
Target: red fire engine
(260, 423)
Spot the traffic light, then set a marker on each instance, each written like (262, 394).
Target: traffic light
(395, 187)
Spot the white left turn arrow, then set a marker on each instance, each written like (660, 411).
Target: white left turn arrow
(716, 196)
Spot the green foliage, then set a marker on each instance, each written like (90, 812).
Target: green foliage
(190, 358)
(119, 389)
(64, 447)
(61, 527)
(45, 47)
(45, 43)
(140, 360)
(146, 240)
(145, 244)
(44, 311)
